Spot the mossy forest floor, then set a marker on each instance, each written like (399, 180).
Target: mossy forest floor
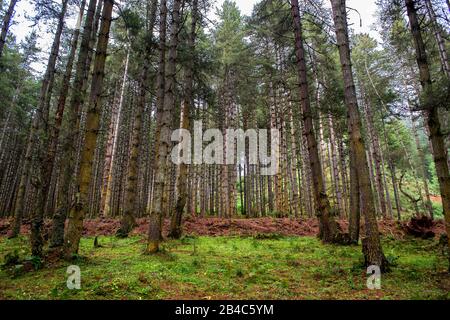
(240, 267)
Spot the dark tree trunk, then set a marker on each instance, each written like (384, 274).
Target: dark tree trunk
(328, 227)
(373, 253)
(69, 148)
(181, 184)
(431, 106)
(79, 210)
(6, 23)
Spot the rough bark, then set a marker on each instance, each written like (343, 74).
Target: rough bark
(156, 214)
(329, 230)
(45, 155)
(431, 106)
(78, 211)
(372, 250)
(128, 218)
(181, 182)
(6, 24)
(68, 162)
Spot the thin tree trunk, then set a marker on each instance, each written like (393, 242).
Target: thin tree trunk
(128, 219)
(68, 162)
(428, 204)
(108, 172)
(78, 211)
(439, 39)
(181, 179)
(156, 214)
(372, 250)
(45, 155)
(6, 24)
(376, 153)
(355, 202)
(329, 230)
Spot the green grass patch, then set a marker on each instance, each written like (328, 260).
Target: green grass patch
(269, 267)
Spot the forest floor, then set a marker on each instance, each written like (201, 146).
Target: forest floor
(258, 266)
(198, 226)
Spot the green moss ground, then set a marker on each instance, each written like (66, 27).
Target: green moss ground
(232, 268)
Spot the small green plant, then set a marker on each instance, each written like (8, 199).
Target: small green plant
(268, 236)
(392, 260)
(35, 261)
(11, 259)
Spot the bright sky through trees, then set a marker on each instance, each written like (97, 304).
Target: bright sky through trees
(365, 8)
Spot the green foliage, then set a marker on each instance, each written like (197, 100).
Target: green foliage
(229, 35)
(11, 258)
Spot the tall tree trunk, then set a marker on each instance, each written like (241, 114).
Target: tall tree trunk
(294, 165)
(78, 211)
(156, 214)
(130, 205)
(68, 162)
(431, 109)
(355, 202)
(6, 24)
(329, 230)
(335, 168)
(111, 159)
(56, 238)
(372, 250)
(181, 179)
(37, 136)
(45, 155)
(376, 152)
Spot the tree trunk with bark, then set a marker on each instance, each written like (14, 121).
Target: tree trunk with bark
(45, 155)
(181, 180)
(328, 227)
(130, 206)
(78, 211)
(431, 106)
(373, 253)
(6, 24)
(69, 147)
(163, 149)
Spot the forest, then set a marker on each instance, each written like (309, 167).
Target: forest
(180, 149)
